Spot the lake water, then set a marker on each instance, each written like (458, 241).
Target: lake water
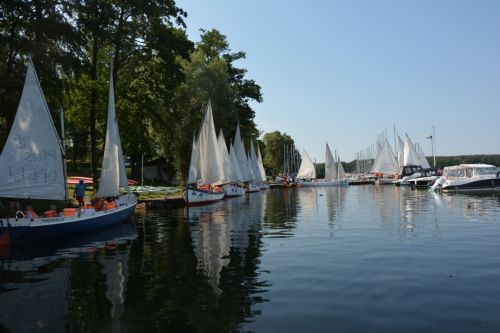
(349, 259)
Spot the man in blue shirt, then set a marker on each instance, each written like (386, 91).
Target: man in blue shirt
(80, 192)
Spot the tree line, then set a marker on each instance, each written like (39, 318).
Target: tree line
(162, 79)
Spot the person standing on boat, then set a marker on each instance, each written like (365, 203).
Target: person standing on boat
(80, 192)
(30, 213)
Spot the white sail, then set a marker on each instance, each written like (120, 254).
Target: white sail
(254, 164)
(410, 156)
(193, 166)
(423, 160)
(340, 168)
(211, 170)
(330, 168)
(307, 169)
(227, 166)
(400, 154)
(31, 164)
(238, 177)
(261, 165)
(113, 172)
(239, 147)
(385, 162)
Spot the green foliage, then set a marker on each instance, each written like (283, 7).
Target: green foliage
(274, 150)
(443, 161)
(162, 81)
(44, 31)
(209, 75)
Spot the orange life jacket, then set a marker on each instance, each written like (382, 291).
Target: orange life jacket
(50, 213)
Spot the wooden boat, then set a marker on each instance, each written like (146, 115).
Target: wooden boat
(206, 166)
(43, 174)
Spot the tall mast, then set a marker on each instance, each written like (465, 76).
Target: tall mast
(63, 153)
(433, 141)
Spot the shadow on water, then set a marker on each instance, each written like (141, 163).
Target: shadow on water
(281, 210)
(472, 204)
(202, 269)
(49, 288)
(405, 212)
(172, 270)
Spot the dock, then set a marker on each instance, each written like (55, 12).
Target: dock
(170, 201)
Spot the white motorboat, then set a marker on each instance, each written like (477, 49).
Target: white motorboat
(427, 178)
(406, 174)
(469, 177)
(411, 164)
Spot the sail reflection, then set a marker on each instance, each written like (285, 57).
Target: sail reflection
(38, 282)
(281, 210)
(308, 203)
(223, 232)
(472, 205)
(335, 199)
(404, 211)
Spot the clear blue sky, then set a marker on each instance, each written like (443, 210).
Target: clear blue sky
(344, 71)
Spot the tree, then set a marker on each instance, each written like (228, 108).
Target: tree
(44, 31)
(274, 150)
(140, 38)
(210, 75)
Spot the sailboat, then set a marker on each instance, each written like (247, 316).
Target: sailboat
(32, 167)
(307, 170)
(385, 166)
(411, 167)
(245, 163)
(206, 171)
(334, 172)
(341, 175)
(232, 172)
(263, 185)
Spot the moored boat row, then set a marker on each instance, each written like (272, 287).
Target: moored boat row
(334, 171)
(215, 172)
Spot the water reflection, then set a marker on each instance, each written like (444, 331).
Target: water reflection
(281, 210)
(335, 202)
(38, 283)
(404, 211)
(205, 269)
(312, 202)
(308, 203)
(226, 240)
(473, 205)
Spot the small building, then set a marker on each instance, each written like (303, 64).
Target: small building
(156, 171)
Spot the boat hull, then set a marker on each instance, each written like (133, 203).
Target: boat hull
(324, 183)
(492, 184)
(198, 197)
(252, 187)
(234, 191)
(264, 186)
(24, 230)
(384, 181)
(423, 182)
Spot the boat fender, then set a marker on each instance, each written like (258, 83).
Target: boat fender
(19, 215)
(498, 174)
